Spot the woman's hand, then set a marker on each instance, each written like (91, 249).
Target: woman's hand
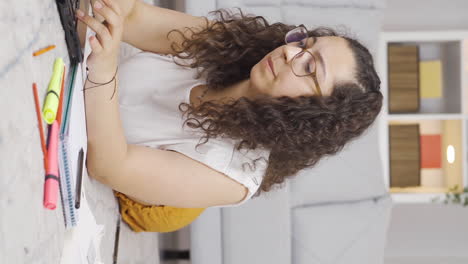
(126, 8)
(105, 45)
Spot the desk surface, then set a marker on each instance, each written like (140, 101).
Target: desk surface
(28, 232)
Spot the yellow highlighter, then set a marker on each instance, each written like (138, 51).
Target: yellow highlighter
(53, 93)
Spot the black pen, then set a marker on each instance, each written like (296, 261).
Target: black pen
(79, 180)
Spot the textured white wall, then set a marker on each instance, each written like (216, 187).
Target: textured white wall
(426, 14)
(422, 231)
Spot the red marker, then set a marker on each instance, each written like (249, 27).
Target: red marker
(51, 185)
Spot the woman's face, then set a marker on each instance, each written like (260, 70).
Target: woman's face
(334, 63)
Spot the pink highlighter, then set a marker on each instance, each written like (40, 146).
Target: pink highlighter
(51, 185)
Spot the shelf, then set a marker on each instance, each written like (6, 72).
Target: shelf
(419, 190)
(451, 48)
(398, 117)
(429, 35)
(464, 81)
(464, 154)
(442, 174)
(449, 53)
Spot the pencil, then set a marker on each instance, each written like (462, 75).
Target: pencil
(59, 112)
(44, 50)
(39, 120)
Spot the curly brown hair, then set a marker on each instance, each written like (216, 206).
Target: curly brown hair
(297, 131)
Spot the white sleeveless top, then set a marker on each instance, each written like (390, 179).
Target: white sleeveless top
(151, 88)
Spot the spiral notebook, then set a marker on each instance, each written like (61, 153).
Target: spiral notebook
(73, 134)
(72, 139)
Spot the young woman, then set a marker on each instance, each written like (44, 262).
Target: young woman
(233, 107)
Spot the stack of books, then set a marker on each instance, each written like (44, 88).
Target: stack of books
(403, 76)
(405, 158)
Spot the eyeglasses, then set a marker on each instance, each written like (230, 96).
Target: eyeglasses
(303, 63)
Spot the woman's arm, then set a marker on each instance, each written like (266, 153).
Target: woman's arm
(106, 140)
(147, 26)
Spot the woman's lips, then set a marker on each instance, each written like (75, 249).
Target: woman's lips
(272, 67)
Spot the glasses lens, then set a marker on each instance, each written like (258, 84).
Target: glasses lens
(304, 64)
(296, 35)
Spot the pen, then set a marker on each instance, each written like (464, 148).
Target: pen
(59, 111)
(44, 50)
(51, 185)
(41, 129)
(79, 179)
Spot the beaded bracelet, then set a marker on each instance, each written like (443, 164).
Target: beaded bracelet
(101, 84)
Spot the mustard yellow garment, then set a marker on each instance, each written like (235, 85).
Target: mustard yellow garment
(162, 219)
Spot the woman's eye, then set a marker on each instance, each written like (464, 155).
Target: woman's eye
(310, 66)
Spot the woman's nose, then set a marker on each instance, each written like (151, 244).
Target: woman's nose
(289, 51)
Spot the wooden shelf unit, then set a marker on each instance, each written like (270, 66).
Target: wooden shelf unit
(451, 48)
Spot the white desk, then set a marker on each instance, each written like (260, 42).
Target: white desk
(28, 232)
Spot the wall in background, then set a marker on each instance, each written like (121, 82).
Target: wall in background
(422, 231)
(426, 15)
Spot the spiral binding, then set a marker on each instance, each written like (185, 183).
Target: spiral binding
(68, 208)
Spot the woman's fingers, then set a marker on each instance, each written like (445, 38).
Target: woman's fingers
(101, 30)
(96, 15)
(109, 13)
(114, 6)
